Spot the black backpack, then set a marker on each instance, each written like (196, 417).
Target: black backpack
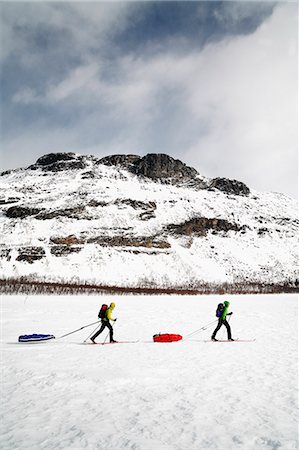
(219, 310)
(103, 312)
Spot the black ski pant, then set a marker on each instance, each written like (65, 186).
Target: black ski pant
(226, 324)
(105, 323)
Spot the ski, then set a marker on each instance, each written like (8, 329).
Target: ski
(235, 340)
(118, 342)
(111, 343)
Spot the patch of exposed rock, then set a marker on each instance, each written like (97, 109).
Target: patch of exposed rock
(161, 166)
(55, 162)
(147, 215)
(136, 204)
(5, 253)
(70, 213)
(230, 186)
(111, 241)
(20, 212)
(124, 161)
(88, 175)
(66, 240)
(6, 172)
(200, 227)
(64, 250)
(156, 166)
(9, 200)
(95, 203)
(263, 231)
(30, 254)
(121, 241)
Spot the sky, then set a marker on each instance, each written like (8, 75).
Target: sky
(214, 84)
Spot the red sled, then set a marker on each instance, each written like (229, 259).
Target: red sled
(167, 337)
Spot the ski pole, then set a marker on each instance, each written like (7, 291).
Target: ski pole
(75, 331)
(98, 326)
(229, 318)
(201, 329)
(205, 327)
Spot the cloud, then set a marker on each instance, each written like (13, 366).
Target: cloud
(251, 88)
(77, 80)
(228, 108)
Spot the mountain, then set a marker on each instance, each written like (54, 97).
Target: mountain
(151, 221)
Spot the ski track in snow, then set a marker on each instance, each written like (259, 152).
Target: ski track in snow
(187, 395)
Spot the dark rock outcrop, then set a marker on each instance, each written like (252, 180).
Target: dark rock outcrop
(157, 166)
(87, 175)
(9, 200)
(135, 204)
(64, 250)
(55, 162)
(110, 241)
(147, 215)
(30, 254)
(262, 231)
(66, 240)
(200, 227)
(6, 172)
(230, 186)
(53, 158)
(125, 161)
(5, 253)
(122, 241)
(161, 166)
(96, 203)
(20, 212)
(78, 213)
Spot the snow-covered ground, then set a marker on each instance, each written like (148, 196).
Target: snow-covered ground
(190, 395)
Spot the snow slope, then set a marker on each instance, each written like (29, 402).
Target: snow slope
(103, 224)
(189, 395)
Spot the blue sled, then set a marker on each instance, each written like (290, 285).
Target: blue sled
(35, 337)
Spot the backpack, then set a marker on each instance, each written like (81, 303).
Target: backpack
(103, 312)
(219, 310)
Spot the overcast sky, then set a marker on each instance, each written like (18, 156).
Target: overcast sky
(214, 84)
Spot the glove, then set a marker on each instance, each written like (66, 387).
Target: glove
(115, 320)
(229, 314)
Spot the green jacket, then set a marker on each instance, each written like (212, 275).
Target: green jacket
(225, 311)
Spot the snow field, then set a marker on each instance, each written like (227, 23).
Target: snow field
(189, 395)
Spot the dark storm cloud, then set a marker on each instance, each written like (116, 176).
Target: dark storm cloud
(190, 23)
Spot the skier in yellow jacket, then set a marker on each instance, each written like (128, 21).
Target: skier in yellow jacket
(106, 323)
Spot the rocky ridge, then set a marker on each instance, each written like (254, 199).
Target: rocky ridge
(157, 167)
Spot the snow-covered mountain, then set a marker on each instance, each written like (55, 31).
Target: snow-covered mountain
(129, 221)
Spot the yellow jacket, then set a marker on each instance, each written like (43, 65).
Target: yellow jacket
(109, 312)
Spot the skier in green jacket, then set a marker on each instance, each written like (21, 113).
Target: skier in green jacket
(221, 313)
(106, 323)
